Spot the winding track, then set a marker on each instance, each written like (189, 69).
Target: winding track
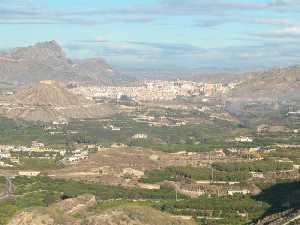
(8, 189)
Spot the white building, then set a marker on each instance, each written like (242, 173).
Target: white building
(5, 155)
(29, 173)
(140, 136)
(241, 191)
(244, 139)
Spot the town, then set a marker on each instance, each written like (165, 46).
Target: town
(156, 90)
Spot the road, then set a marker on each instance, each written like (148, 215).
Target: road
(8, 189)
(292, 220)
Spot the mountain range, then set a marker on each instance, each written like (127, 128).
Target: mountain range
(47, 61)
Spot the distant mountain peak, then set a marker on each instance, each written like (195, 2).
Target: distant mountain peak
(48, 61)
(39, 52)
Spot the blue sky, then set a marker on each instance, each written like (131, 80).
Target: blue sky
(161, 34)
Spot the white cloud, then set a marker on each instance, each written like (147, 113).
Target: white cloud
(288, 31)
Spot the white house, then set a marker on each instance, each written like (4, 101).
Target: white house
(244, 139)
(140, 136)
(29, 173)
(241, 191)
(257, 175)
(5, 155)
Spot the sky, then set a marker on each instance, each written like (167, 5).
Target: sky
(161, 34)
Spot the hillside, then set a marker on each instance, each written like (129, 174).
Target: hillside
(272, 85)
(288, 217)
(49, 101)
(80, 210)
(266, 92)
(49, 93)
(48, 61)
(89, 69)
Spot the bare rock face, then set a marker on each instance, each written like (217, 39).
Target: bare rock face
(81, 210)
(47, 61)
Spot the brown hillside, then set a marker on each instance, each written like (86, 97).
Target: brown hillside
(80, 210)
(49, 93)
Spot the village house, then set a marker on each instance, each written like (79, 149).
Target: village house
(29, 173)
(61, 121)
(296, 167)
(219, 153)
(118, 145)
(3, 164)
(233, 192)
(149, 186)
(5, 155)
(140, 136)
(243, 139)
(37, 144)
(257, 175)
(232, 150)
(113, 128)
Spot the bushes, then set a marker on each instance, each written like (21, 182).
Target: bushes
(224, 207)
(43, 191)
(74, 188)
(172, 173)
(38, 164)
(10, 207)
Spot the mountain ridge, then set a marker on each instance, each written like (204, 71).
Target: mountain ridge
(47, 61)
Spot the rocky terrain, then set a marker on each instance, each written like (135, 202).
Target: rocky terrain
(82, 210)
(111, 166)
(267, 91)
(287, 217)
(276, 84)
(47, 61)
(49, 101)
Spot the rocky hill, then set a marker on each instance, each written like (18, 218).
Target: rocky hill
(270, 85)
(288, 217)
(49, 93)
(47, 61)
(81, 210)
(265, 92)
(50, 101)
(89, 69)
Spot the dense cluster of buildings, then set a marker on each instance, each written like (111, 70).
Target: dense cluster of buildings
(155, 90)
